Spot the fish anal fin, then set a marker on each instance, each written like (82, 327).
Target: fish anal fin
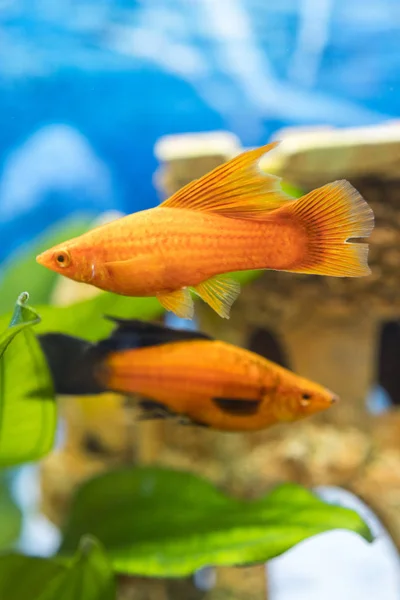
(180, 302)
(220, 293)
(238, 189)
(153, 410)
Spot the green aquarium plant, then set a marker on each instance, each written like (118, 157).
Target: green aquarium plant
(86, 576)
(167, 523)
(27, 406)
(143, 521)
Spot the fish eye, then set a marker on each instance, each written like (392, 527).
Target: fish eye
(305, 399)
(63, 258)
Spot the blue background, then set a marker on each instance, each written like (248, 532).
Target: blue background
(86, 89)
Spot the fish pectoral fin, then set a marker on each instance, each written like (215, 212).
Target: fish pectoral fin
(220, 293)
(239, 189)
(180, 302)
(121, 272)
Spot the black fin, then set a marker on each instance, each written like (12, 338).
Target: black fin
(156, 410)
(73, 364)
(133, 333)
(237, 406)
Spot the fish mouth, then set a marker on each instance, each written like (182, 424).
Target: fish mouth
(43, 259)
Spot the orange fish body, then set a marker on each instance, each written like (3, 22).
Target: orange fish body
(216, 385)
(164, 249)
(185, 375)
(233, 219)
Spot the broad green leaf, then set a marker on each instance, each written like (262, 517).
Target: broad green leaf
(22, 268)
(27, 406)
(25, 577)
(10, 515)
(87, 576)
(157, 522)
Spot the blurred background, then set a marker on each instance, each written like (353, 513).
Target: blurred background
(88, 88)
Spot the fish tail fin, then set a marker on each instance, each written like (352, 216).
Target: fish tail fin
(334, 217)
(75, 364)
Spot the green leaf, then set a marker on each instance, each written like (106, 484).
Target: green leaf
(25, 577)
(88, 576)
(27, 406)
(10, 515)
(23, 317)
(156, 522)
(22, 267)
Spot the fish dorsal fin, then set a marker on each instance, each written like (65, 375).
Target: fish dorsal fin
(238, 189)
(133, 333)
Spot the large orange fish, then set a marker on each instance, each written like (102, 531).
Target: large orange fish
(184, 375)
(233, 219)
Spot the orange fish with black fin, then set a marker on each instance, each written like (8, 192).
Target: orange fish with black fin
(235, 218)
(183, 375)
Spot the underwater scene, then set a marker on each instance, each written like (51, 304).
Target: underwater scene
(199, 300)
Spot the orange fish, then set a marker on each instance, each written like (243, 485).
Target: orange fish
(184, 375)
(235, 218)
